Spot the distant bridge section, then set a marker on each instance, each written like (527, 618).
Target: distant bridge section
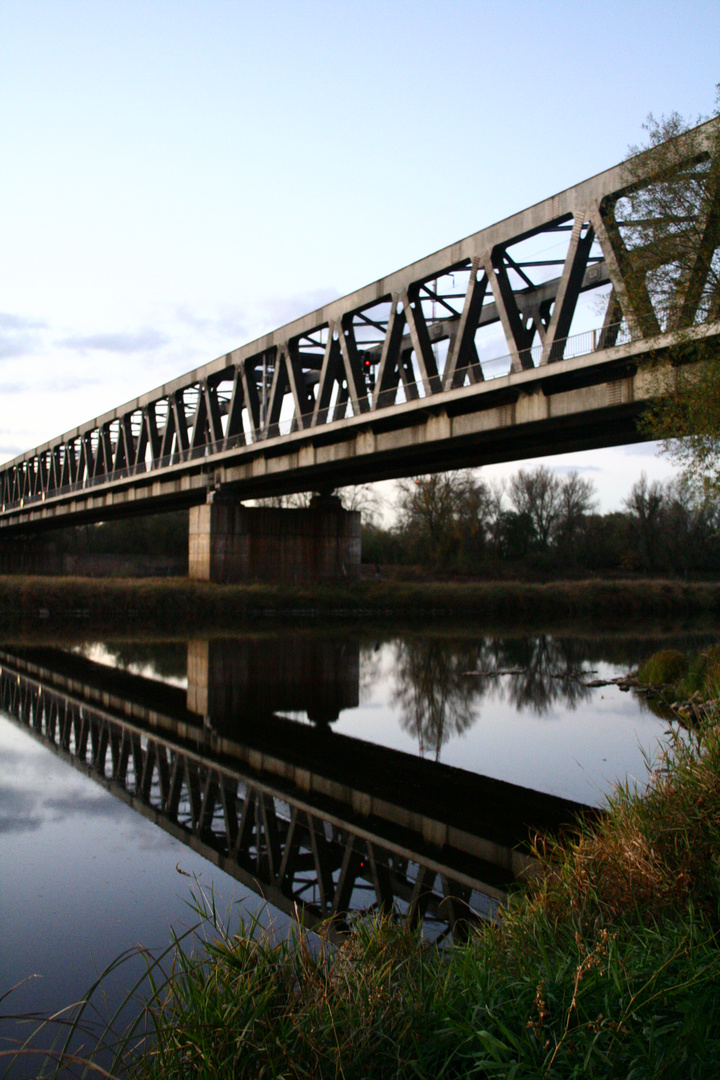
(478, 353)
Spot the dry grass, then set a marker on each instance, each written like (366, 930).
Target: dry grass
(157, 603)
(648, 857)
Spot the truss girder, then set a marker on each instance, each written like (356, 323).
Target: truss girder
(414, 334)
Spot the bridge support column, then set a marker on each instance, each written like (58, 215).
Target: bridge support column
(231, 542)
(30, 555)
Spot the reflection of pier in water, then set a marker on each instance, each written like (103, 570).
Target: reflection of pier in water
(296, 812)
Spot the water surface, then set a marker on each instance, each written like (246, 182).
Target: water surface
(335, 770)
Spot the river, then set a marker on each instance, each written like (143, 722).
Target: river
(284, 769)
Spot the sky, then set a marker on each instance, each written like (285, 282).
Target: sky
(180, 176)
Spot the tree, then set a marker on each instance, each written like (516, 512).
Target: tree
(441, 515)
(577, 500)
(365, 499)
(299, 500)
(435, 696)
(537, 495)
(645, 505)
(666, 234)
(514, 535)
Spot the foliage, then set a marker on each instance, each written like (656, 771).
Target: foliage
(152, 534)
(441, 516)
(666, 666)
(551, 528)
(365, 499)
(433, 694)
(694, 677)
(555, 507)
(669, 224)
(162, 605)
(703, 676)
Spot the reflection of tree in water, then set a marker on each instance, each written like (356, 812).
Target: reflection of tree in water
(167, 658)
(547, 670)
(433, 690)
(439, 682)
(369, 667)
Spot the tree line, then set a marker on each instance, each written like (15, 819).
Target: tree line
(456, 522)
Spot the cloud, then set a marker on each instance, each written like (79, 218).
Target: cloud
(8, 451)
(53, 386)
(75, 802)
(18, 335)
(237, 327)
(18, 810)
(230, 326)
(576, 468)
(287, 309)
(19, 322)
(19, 824)
(119, 342)
(643, 449)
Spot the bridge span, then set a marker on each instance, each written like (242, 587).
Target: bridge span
(476, 354)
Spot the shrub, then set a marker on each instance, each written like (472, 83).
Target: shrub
(666, 666)
(703, 675)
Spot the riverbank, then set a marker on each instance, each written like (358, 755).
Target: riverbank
(162, 603)
(605, 966)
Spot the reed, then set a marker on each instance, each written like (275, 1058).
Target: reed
(158, 603)
(676, 677)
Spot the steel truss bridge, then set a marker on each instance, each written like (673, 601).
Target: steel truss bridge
(469, 356)
(309, 819)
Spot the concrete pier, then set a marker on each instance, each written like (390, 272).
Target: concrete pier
(30, 555)
(230, 542)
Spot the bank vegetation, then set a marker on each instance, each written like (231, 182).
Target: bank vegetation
(164, 604)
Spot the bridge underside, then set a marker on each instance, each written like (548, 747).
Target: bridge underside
(579, 404)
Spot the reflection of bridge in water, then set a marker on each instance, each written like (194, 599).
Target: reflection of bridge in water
(304, 816)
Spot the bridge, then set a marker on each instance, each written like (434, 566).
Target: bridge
(482, 352)
(306, 817)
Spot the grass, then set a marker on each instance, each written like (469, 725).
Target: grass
(605, 965)
(690, 679)
(158, 603)
(666, 666)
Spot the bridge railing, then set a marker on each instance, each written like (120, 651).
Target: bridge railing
(582, 344)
